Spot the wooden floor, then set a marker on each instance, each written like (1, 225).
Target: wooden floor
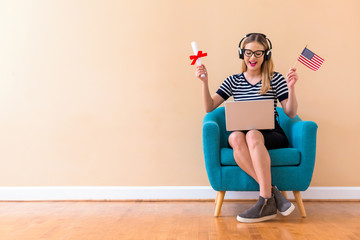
(171, 220)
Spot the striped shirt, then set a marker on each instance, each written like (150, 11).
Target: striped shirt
(237, 86)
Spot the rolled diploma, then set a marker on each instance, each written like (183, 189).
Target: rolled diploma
(195, 49)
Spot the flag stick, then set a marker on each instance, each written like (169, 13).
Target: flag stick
(297, 60)
(294, 64)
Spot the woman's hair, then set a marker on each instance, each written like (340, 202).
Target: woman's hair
(267, 67)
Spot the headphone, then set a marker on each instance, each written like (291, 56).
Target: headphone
(267, 55)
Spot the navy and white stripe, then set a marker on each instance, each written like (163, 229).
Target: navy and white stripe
(238, 87)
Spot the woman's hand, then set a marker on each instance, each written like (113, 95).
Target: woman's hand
(291, 78)
(201, 70)
(290, 105)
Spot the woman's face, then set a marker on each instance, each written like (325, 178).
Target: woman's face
(256, 50)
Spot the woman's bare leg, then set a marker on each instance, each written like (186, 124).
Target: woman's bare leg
(242, 156)
(261, 161)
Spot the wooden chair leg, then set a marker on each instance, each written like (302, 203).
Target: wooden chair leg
(284, 193)
(300, 203)
(219, 201)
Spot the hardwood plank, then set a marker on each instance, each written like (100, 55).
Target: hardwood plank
(171, 220)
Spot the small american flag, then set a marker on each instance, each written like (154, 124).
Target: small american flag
(310, 59)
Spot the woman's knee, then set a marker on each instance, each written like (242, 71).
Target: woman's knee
(237, 139)
(254, 138)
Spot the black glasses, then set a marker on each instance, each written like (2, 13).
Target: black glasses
(257, 54)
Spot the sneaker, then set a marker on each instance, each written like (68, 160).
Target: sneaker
(264, 209)
(284, 206)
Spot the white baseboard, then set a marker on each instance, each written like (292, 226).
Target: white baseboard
(155, 193)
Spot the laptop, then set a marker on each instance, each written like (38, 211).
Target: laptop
(248, 115)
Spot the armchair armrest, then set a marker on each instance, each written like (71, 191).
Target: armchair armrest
(211, 147)
(303, 137)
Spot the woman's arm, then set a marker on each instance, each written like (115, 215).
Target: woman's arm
(210, 102)
(290, 105)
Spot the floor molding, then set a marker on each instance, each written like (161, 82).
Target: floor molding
(156, 193)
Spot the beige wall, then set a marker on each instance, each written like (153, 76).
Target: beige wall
(102, 92)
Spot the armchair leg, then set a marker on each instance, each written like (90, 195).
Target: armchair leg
(219, 200)
(300, 203)
(284, 193)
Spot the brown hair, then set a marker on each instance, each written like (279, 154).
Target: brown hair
(267, 67)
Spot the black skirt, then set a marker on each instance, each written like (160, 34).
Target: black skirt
(274, 138)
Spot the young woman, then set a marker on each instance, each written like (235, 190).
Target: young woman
(258, 81)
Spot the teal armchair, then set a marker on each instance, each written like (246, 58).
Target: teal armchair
(291, 168)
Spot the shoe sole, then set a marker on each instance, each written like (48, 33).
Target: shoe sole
(288, 211)
(253, 220)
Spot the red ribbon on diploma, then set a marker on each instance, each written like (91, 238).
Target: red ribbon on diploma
(195, 57)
